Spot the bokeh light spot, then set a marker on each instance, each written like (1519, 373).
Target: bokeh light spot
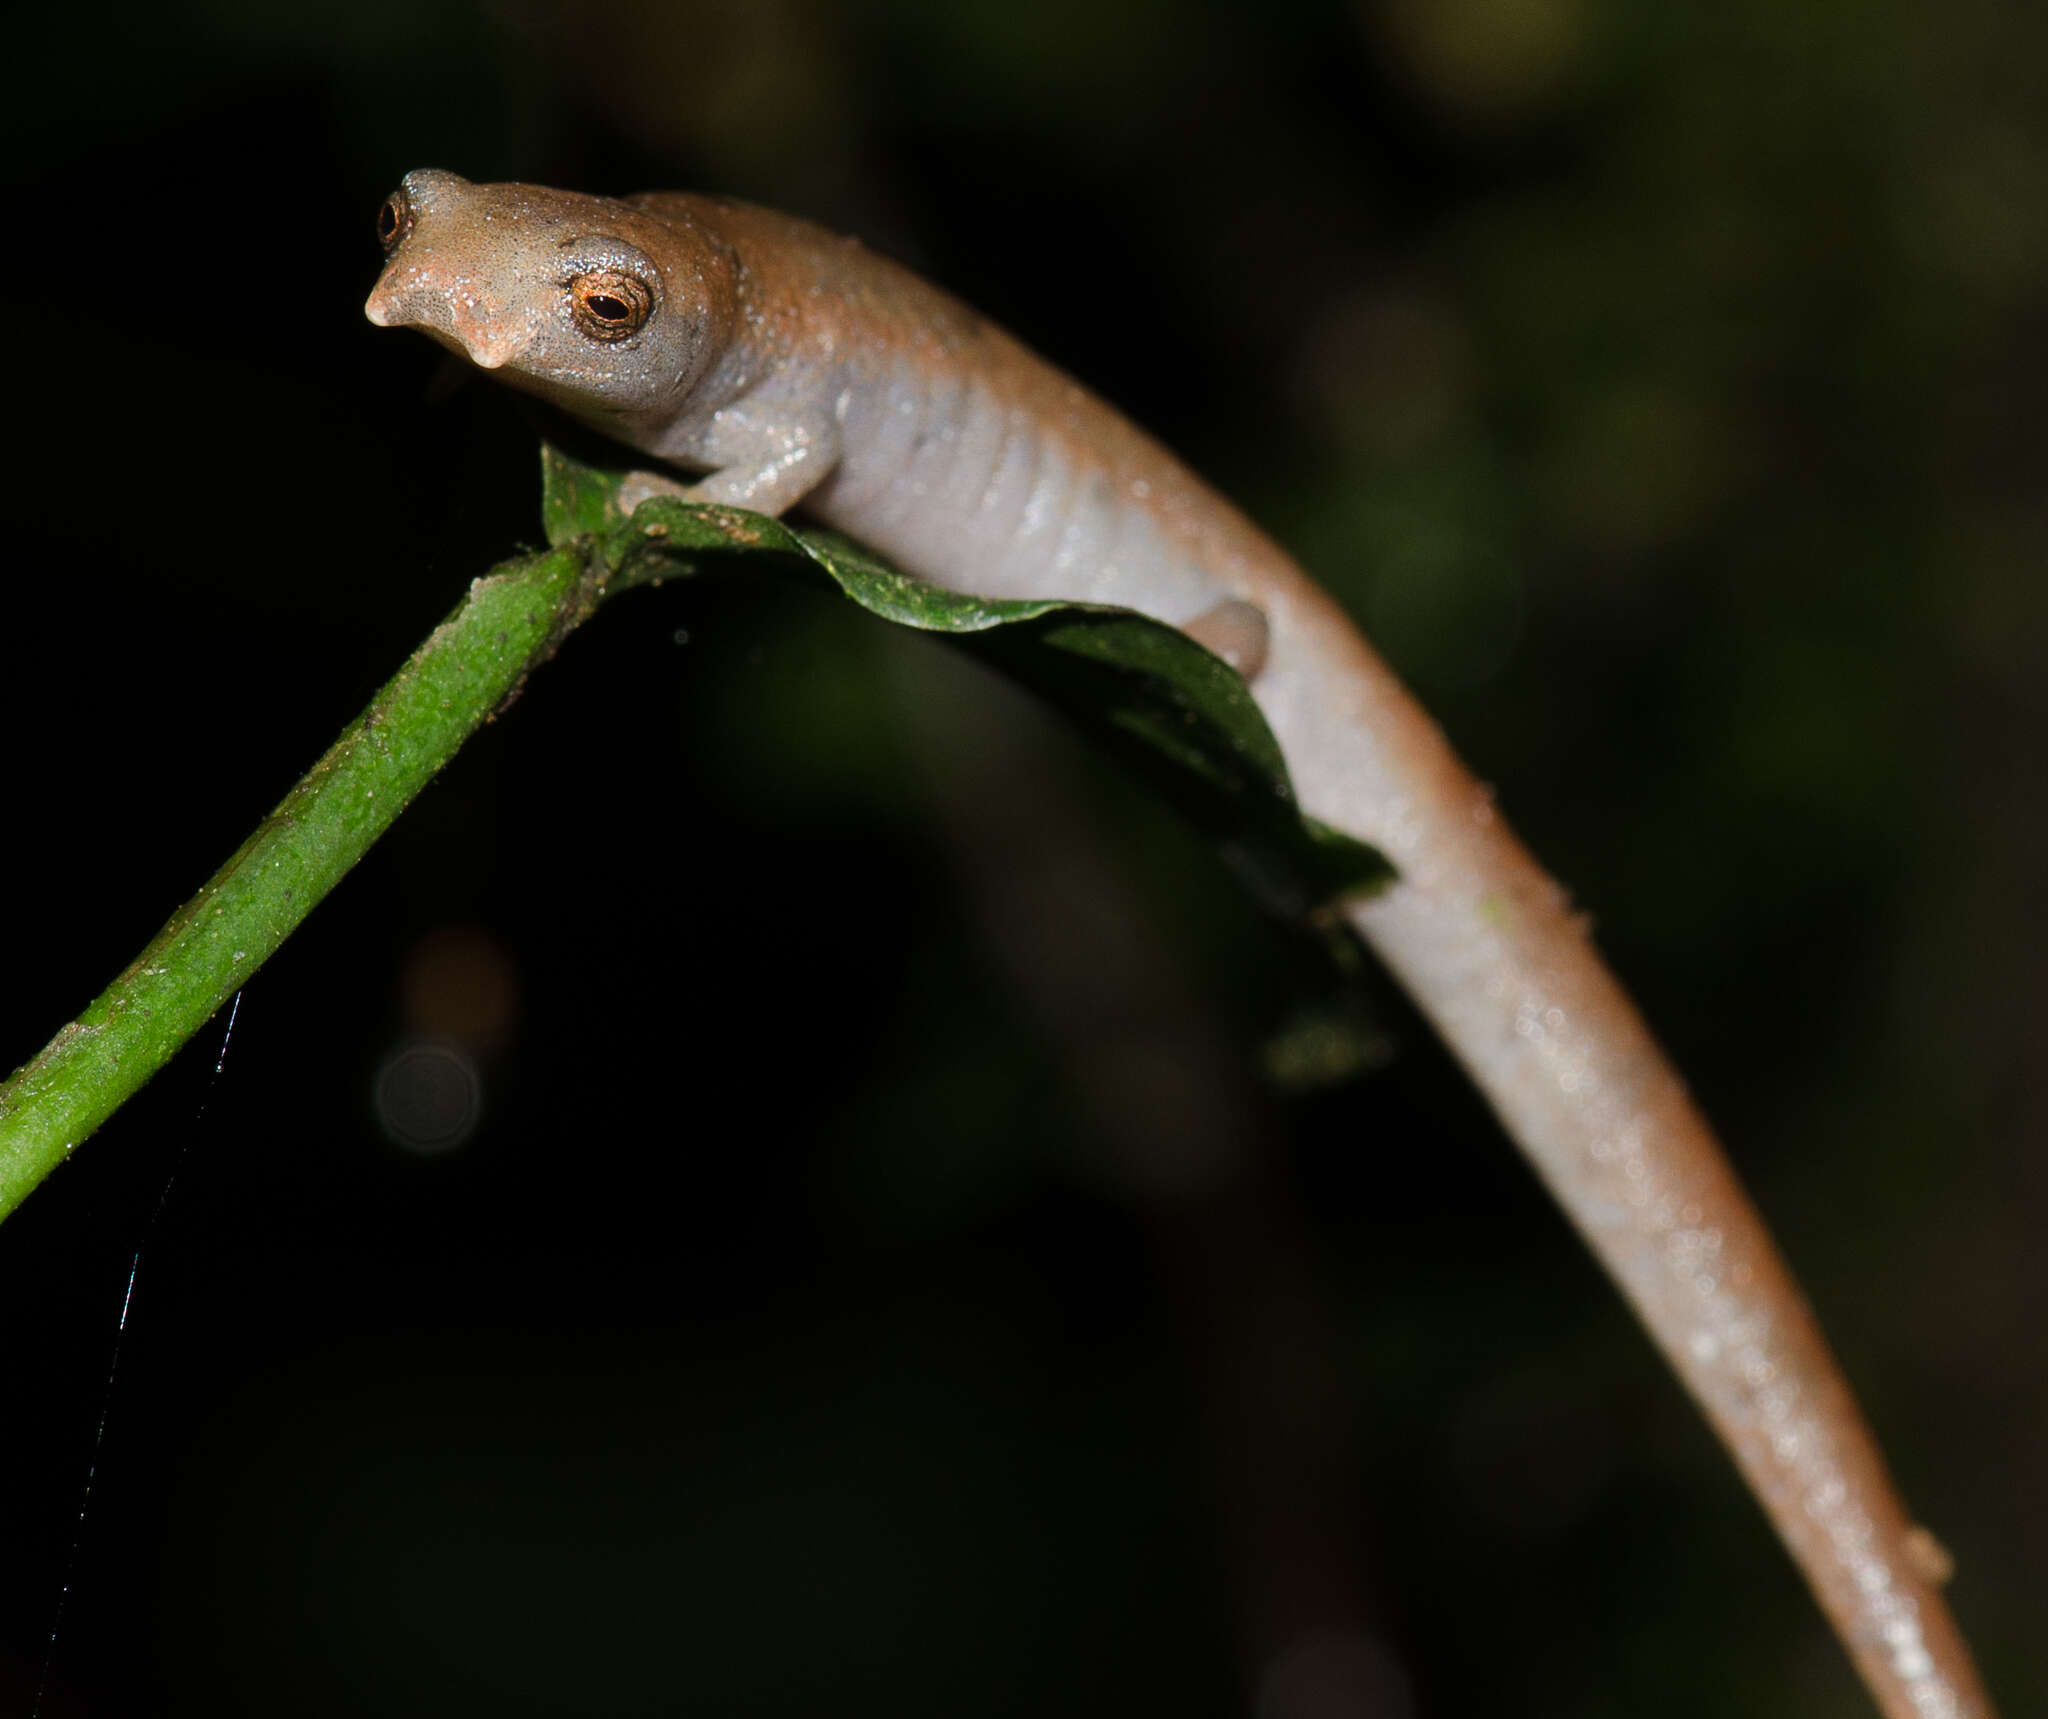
(428, 1098)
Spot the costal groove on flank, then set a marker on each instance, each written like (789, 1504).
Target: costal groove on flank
(941, 472)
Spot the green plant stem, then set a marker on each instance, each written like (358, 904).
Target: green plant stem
(468, 667)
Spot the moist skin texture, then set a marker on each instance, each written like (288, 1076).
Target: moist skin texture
(783, 364)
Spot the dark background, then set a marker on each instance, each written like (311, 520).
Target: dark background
(828, 1312)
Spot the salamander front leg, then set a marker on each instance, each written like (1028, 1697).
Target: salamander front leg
(770, 486)
(774, 486)
(1236, 631)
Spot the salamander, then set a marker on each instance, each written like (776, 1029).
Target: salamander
(780, 365)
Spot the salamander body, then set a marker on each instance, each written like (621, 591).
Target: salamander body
(782, 365)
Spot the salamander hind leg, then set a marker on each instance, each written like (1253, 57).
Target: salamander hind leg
(1236, 631)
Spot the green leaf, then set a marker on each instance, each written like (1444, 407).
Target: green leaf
(575, 500)
(1175, 715)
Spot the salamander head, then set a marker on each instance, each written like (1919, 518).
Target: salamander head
(607, 310)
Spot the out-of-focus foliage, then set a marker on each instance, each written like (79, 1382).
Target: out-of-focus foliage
(944, 1322)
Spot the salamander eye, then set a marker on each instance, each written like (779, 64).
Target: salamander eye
(394, 221)
(609, 305)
